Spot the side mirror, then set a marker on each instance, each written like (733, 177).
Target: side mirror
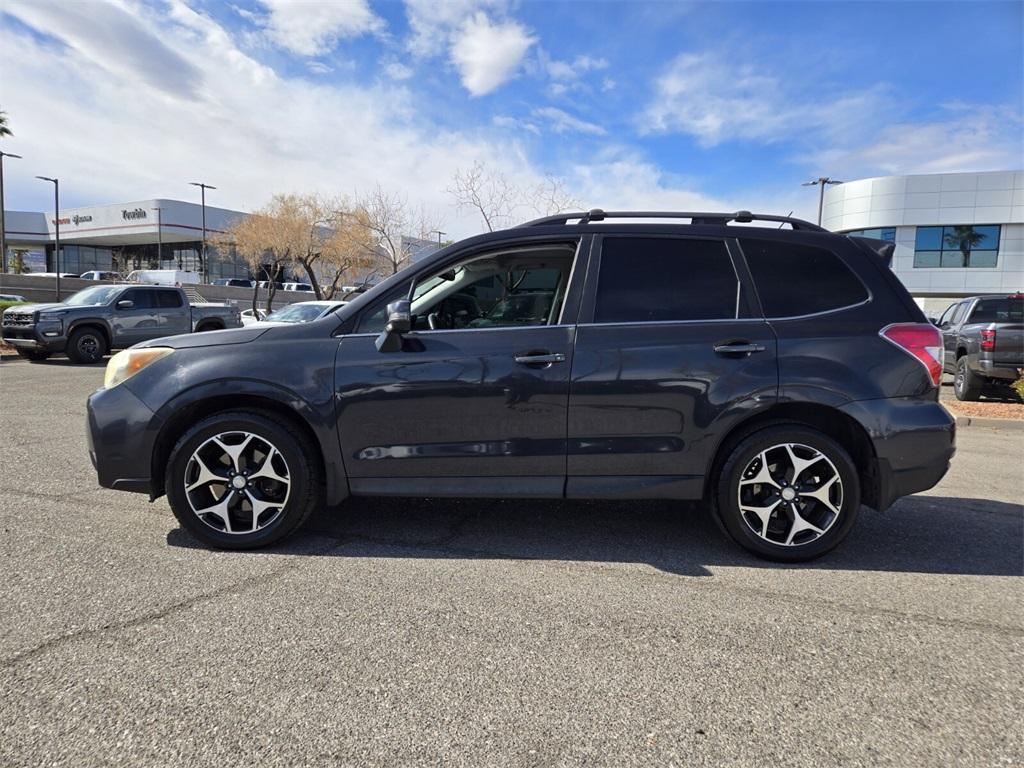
(933, 320)
(125, 304)
(399, 322)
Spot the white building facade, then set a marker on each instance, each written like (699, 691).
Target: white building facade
(956, 234)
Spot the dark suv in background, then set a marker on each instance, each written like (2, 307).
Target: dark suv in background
(784, 375)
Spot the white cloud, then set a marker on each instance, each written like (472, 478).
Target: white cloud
(488, 53)
(318, 68)
(572, 70)
(396, 70)
(968, 138)
(310, 29)
(561, 121)
(717, 100)
(433, 23)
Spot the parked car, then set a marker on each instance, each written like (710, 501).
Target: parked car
(277, 286)
(52, 274)
(236, 282)
(249, 316)
(303, 311)
(983, 342)
(298, 287)
(95, 320)
(785, 376)
(173, 277)
(11, 297)
(97, 274)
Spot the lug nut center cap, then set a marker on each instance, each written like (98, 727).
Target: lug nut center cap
(788, 494)
(238, 482)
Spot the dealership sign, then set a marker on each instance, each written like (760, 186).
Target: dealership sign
(76, 220)
(134, 213)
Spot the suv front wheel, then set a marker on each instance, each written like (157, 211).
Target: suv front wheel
(238, 480)
(788, 493)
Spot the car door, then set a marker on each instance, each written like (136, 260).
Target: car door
(175, 315)
(667, 349)
(475, 402)
(138, 322)
(950, 327)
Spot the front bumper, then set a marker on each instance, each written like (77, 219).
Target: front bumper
(121, 434)
(32, 337)
(914, 442)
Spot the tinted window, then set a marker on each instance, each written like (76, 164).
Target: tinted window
(882, 233)
(657, 279)
(1002, 310)
(957, 246)
(142, 297)
(796, 279)
(958, 314)
(168, 299)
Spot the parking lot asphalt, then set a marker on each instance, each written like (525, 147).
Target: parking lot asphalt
(497, 633)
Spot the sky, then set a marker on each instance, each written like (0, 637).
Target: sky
(667, 105)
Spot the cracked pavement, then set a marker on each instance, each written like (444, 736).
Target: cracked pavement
(496, 632)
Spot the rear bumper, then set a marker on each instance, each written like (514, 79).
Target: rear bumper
(914, 442)
(121, 434)
(998, 370)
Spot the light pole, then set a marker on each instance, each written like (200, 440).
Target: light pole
(439, 233)
(159, 236)
(204, 187)
(3, 216)
(56, 223)
(821, 181)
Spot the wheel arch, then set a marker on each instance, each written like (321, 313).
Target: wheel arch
(94, 323)
(841, 427)
(209, 325)
(200, 405)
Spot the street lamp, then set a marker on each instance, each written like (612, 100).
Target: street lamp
(439, 233)
(204, 187)
(56, 222)
(3, 216)
(821, 181)
(159, 237)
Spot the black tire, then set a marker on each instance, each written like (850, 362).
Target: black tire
(739, 459)
(967, 385)
(33, 355)
(86, 345)
(304, 473)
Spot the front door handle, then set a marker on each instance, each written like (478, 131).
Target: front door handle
(738, 348)
(546, 358)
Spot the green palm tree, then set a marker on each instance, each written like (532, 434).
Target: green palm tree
(4, 130)
(965, 238)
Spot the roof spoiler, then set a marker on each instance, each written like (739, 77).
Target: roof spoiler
(881, 248)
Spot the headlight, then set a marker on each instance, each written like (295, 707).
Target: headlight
(127, 363)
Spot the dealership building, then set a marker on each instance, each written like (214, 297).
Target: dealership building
(142, 234)
(956, 234)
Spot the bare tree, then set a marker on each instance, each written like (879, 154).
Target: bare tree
(499, 201)
(265, 244)
(386, 217)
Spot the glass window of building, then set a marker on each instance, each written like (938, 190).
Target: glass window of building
(957, 246)
(881, 233)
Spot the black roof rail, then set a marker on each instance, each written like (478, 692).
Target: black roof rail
(744, 217)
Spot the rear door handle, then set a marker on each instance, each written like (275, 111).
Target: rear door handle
(540, 359)
(738, 348)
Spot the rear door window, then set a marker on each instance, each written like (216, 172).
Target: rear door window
(168, 299)
(663, 279)
(794, 280)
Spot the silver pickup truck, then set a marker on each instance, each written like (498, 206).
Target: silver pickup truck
(98, 319)
(983, 338)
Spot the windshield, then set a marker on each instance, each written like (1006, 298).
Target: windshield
(95, 296)
(297, 313)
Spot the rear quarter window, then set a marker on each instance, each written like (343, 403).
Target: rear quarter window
(794, 279)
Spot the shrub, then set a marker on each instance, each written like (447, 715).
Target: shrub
(5, 304)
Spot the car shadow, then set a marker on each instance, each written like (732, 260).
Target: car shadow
(919, 534)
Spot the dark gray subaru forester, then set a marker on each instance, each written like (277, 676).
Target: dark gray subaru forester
(783, 375)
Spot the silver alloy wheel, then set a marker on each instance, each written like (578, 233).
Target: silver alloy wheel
(790, 494)
(959, 379)
(237, 482)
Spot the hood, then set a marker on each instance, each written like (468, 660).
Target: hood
(208, 338)
(38, 307)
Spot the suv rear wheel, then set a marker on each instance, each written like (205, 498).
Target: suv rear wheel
(238, 480)
(788, 493)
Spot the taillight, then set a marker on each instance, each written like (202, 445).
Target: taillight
(988, 340)
(922, 341)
